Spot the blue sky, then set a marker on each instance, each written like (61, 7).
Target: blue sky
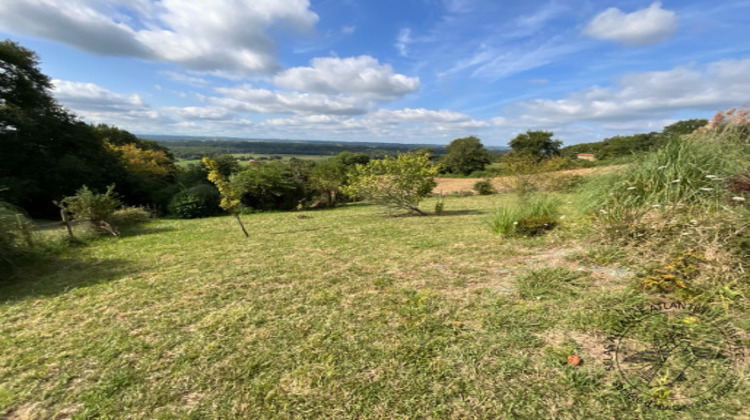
(417, 71)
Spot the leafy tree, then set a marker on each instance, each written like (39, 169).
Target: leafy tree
(47, 153)
(301, 171)
(351, 159)
(327, 178)
(537, 144)
(398, 183)
(230, 197)
(144, 162)
(683, 127)
(466, 155)
(626, 145)
(227, 164)
(268, 186)
(427, 151)
(201, 200)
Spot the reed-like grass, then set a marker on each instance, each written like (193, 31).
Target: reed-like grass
(521, 217)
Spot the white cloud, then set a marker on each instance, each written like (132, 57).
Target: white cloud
(92, 97)
(643, 27)
(348, 30)
(96, 104)
(229, 37)
(402, 42)
(495, 62)
(419, 115)
(185, 79)
(74, 23)
(198, 112)
(245, 98)
(362, 75)
(417, 124)
(648, 96)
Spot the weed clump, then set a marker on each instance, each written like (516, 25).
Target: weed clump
(533, 215)
(484, 187)
(674, 275)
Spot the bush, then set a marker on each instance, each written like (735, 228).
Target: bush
(397, 183)
(95, 209)
(15, 234)
(269, 186)
(130, 216)
(199, 201)
(533, 215)
(484, 187)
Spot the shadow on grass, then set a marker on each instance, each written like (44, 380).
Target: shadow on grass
(143, 230)
(52, 276)
(431, 214)
(459, 212)
(285, 232)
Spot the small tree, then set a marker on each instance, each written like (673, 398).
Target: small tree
(537, 144)
(398, 183)
(97, 209)
(230, 197)
(466, 155)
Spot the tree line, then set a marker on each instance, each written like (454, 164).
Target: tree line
(191, 149)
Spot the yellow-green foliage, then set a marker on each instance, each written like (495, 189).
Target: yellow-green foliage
(230, 198)
(398, 183)
(673, 275)
(143, 161)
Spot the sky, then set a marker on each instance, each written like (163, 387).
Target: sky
(401, 71)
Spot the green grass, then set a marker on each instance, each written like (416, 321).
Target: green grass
(343, 314)
(528, 216)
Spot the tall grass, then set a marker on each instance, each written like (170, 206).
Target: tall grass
(530, 216)
(15, 234)
(688, 174)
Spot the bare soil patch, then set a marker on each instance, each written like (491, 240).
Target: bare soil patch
(505, 183)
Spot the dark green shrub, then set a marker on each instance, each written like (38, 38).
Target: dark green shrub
(199, 201)
(484, 187)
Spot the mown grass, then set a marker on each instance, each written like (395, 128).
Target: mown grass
(343, 314)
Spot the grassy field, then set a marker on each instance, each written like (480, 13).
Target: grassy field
(245, 156)
(344, 313)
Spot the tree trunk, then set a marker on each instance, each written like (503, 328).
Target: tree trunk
(237, 216)
(66, 221)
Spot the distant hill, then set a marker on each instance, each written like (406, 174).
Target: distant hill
(195, 147)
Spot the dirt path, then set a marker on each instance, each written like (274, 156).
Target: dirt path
(505, 183)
